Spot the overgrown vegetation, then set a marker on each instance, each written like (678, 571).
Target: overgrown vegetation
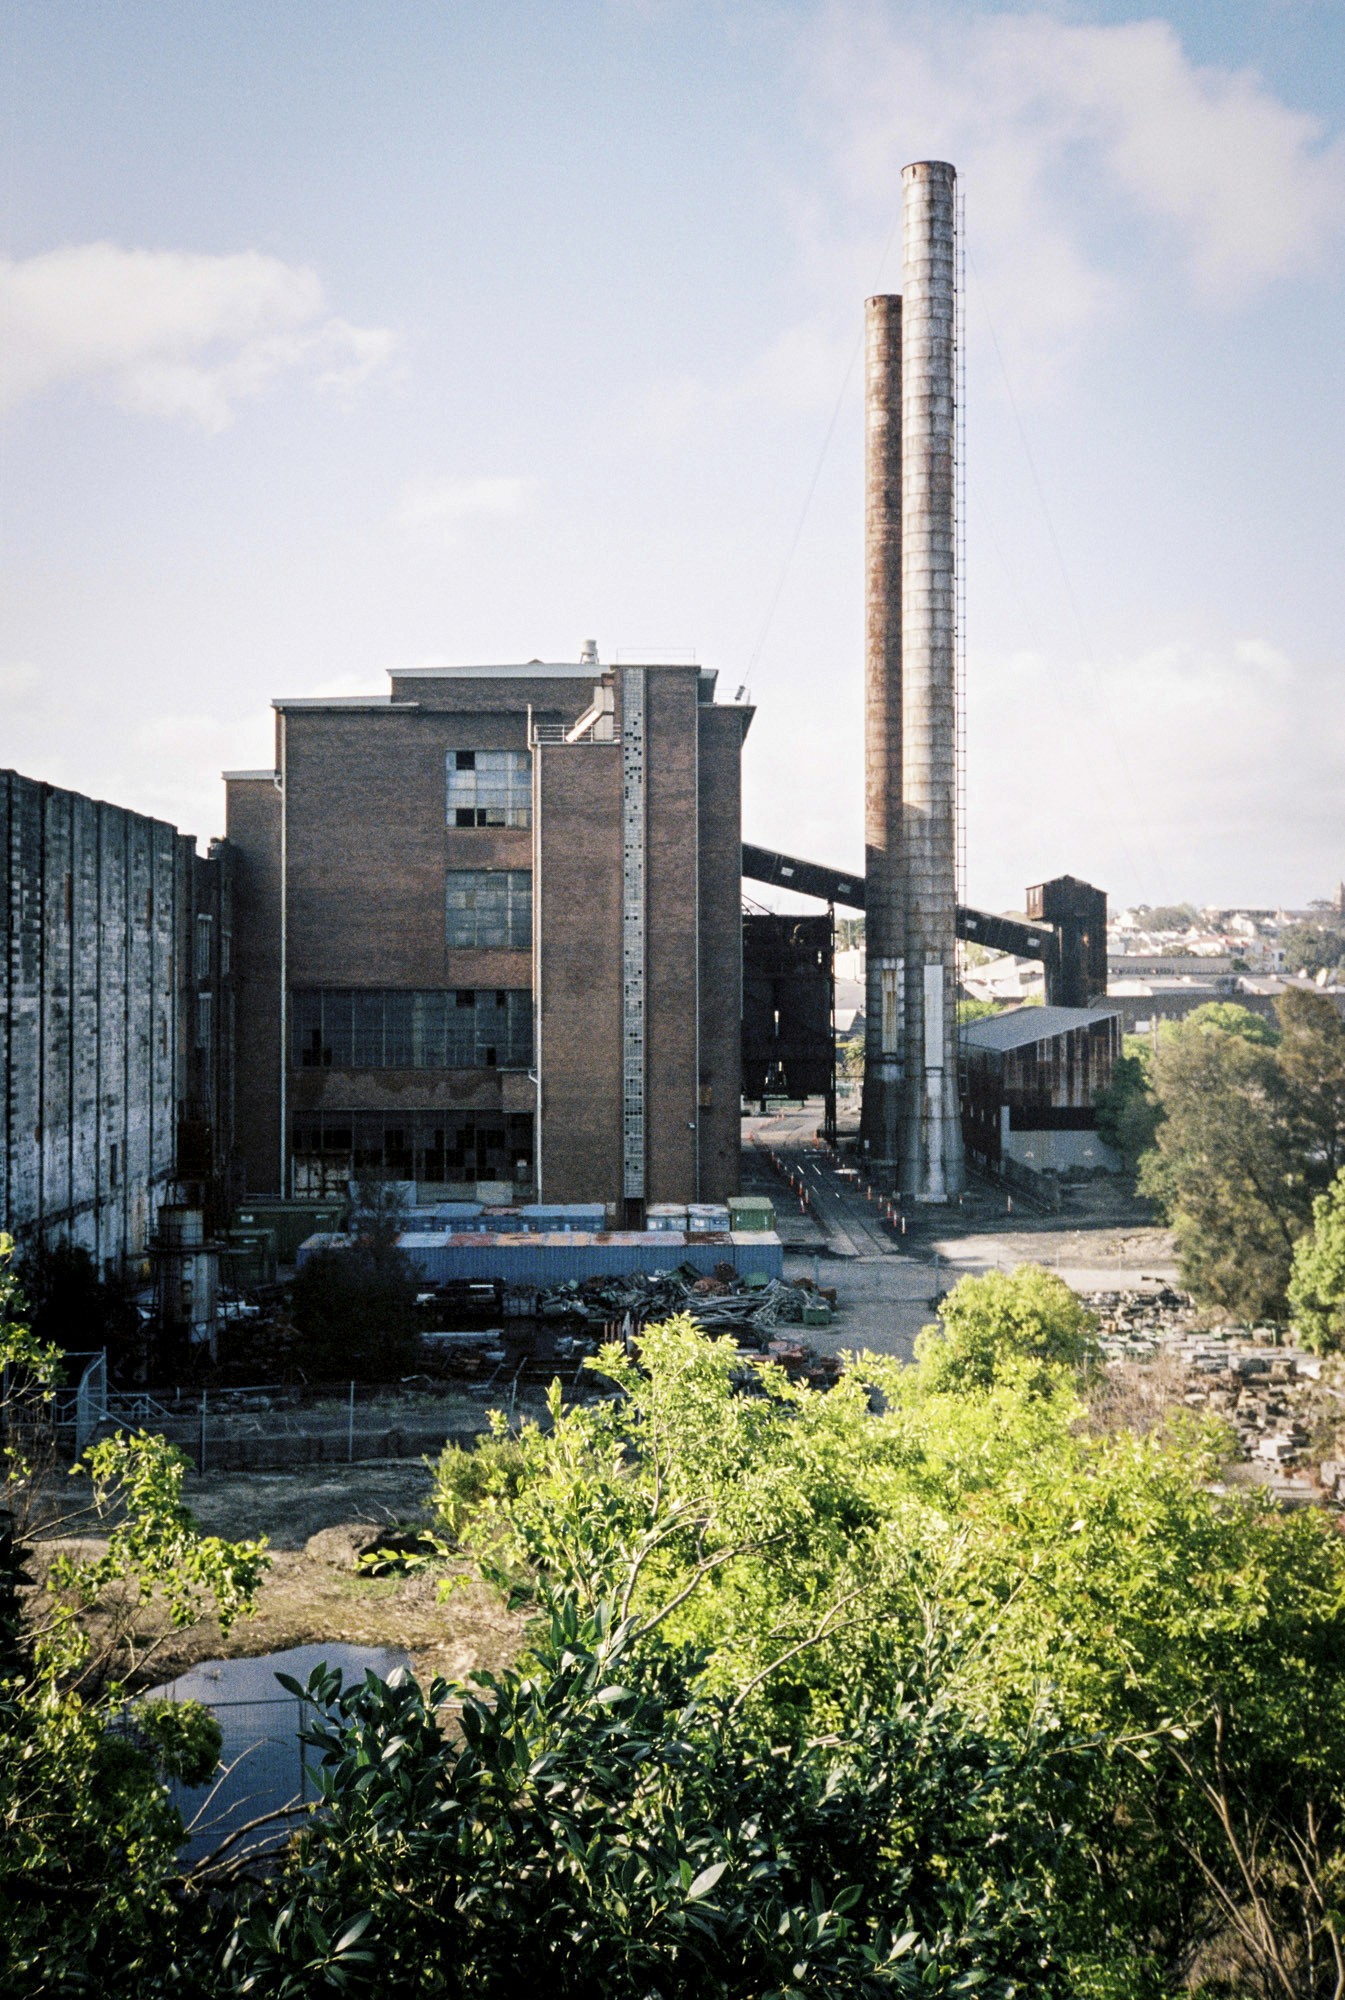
(1317, 1281)
(1237, 1123)
(920, 1686)
(90, 1892)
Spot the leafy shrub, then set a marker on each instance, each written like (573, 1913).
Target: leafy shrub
(468, 1477)
(996, 1326)
(1317, 1282)
(592, 1828)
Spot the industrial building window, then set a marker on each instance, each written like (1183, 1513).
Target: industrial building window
(489, 909)
(203, 1020)
(443, 1148)
(489, 788)
(202, 953)
(464, 1028)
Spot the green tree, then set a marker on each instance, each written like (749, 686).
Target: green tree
(1313, 948)
(972, 1543)
(1312, 1058)
(354, 1307)
(1227, 1164)
(1024, 1326)
(596, 1825)
(1169, 916)
(1231, 1019)
(91, 1893)
(1317, 1282)
(1127, 1110)
(976, 1010)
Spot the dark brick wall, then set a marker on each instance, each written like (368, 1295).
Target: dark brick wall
(368, 849)
(721, 739)
(252, 819)
(577, 955)
(672, 943)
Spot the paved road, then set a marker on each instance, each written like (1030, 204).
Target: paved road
(852, 1224)
(888, 1283)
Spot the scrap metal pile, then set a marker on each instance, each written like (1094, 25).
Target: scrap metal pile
(722, 1303)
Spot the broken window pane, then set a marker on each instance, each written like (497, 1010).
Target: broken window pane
(396, 1028)
(489, 787)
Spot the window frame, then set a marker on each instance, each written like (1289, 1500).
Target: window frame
(503, 801)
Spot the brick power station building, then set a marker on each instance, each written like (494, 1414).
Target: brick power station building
(487, 930)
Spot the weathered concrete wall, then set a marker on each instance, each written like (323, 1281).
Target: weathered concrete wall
(92, 898)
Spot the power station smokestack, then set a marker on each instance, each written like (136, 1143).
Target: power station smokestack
(931, 1130)
(884, 895)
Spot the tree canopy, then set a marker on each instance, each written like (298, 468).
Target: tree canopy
(1250, 1126)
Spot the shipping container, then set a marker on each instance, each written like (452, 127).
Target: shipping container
(548, 1257)
(292, 1221)
(324, 1239)
(751, 1211)
(248, 1257)
(664, 1215)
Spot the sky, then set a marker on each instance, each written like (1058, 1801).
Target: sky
(344, 335)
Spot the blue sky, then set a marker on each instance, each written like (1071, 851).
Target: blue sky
(336, 337)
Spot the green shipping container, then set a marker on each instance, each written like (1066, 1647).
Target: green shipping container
(292, 1221)
(751, 1212)
(249, 1257)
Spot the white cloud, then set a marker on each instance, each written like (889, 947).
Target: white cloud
(439, 506)
(1067, 134)
(1162, 773)
(171, 333)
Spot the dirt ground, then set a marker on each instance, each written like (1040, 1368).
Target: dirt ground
(316, 1523)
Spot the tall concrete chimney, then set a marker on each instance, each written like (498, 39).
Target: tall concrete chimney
(884, 894)
(931, 1130)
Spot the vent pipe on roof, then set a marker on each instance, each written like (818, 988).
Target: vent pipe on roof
(588, 653)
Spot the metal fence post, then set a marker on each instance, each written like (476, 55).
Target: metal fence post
(201, 1455)
(350, 1428)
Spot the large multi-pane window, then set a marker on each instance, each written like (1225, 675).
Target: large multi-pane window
(489, 909)
(489, 788)
(466, 1028)
(331, 1147)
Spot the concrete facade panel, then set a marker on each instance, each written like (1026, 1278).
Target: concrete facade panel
(89, 983)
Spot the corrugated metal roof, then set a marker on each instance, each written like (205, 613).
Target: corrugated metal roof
(1024, 1025)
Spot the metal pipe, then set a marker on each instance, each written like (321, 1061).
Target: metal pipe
(931, 1139)
(884, 893)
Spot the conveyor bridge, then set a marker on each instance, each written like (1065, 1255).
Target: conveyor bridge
(1051, 943)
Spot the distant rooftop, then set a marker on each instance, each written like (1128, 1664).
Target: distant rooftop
(1024, 1025)
(528, 670)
